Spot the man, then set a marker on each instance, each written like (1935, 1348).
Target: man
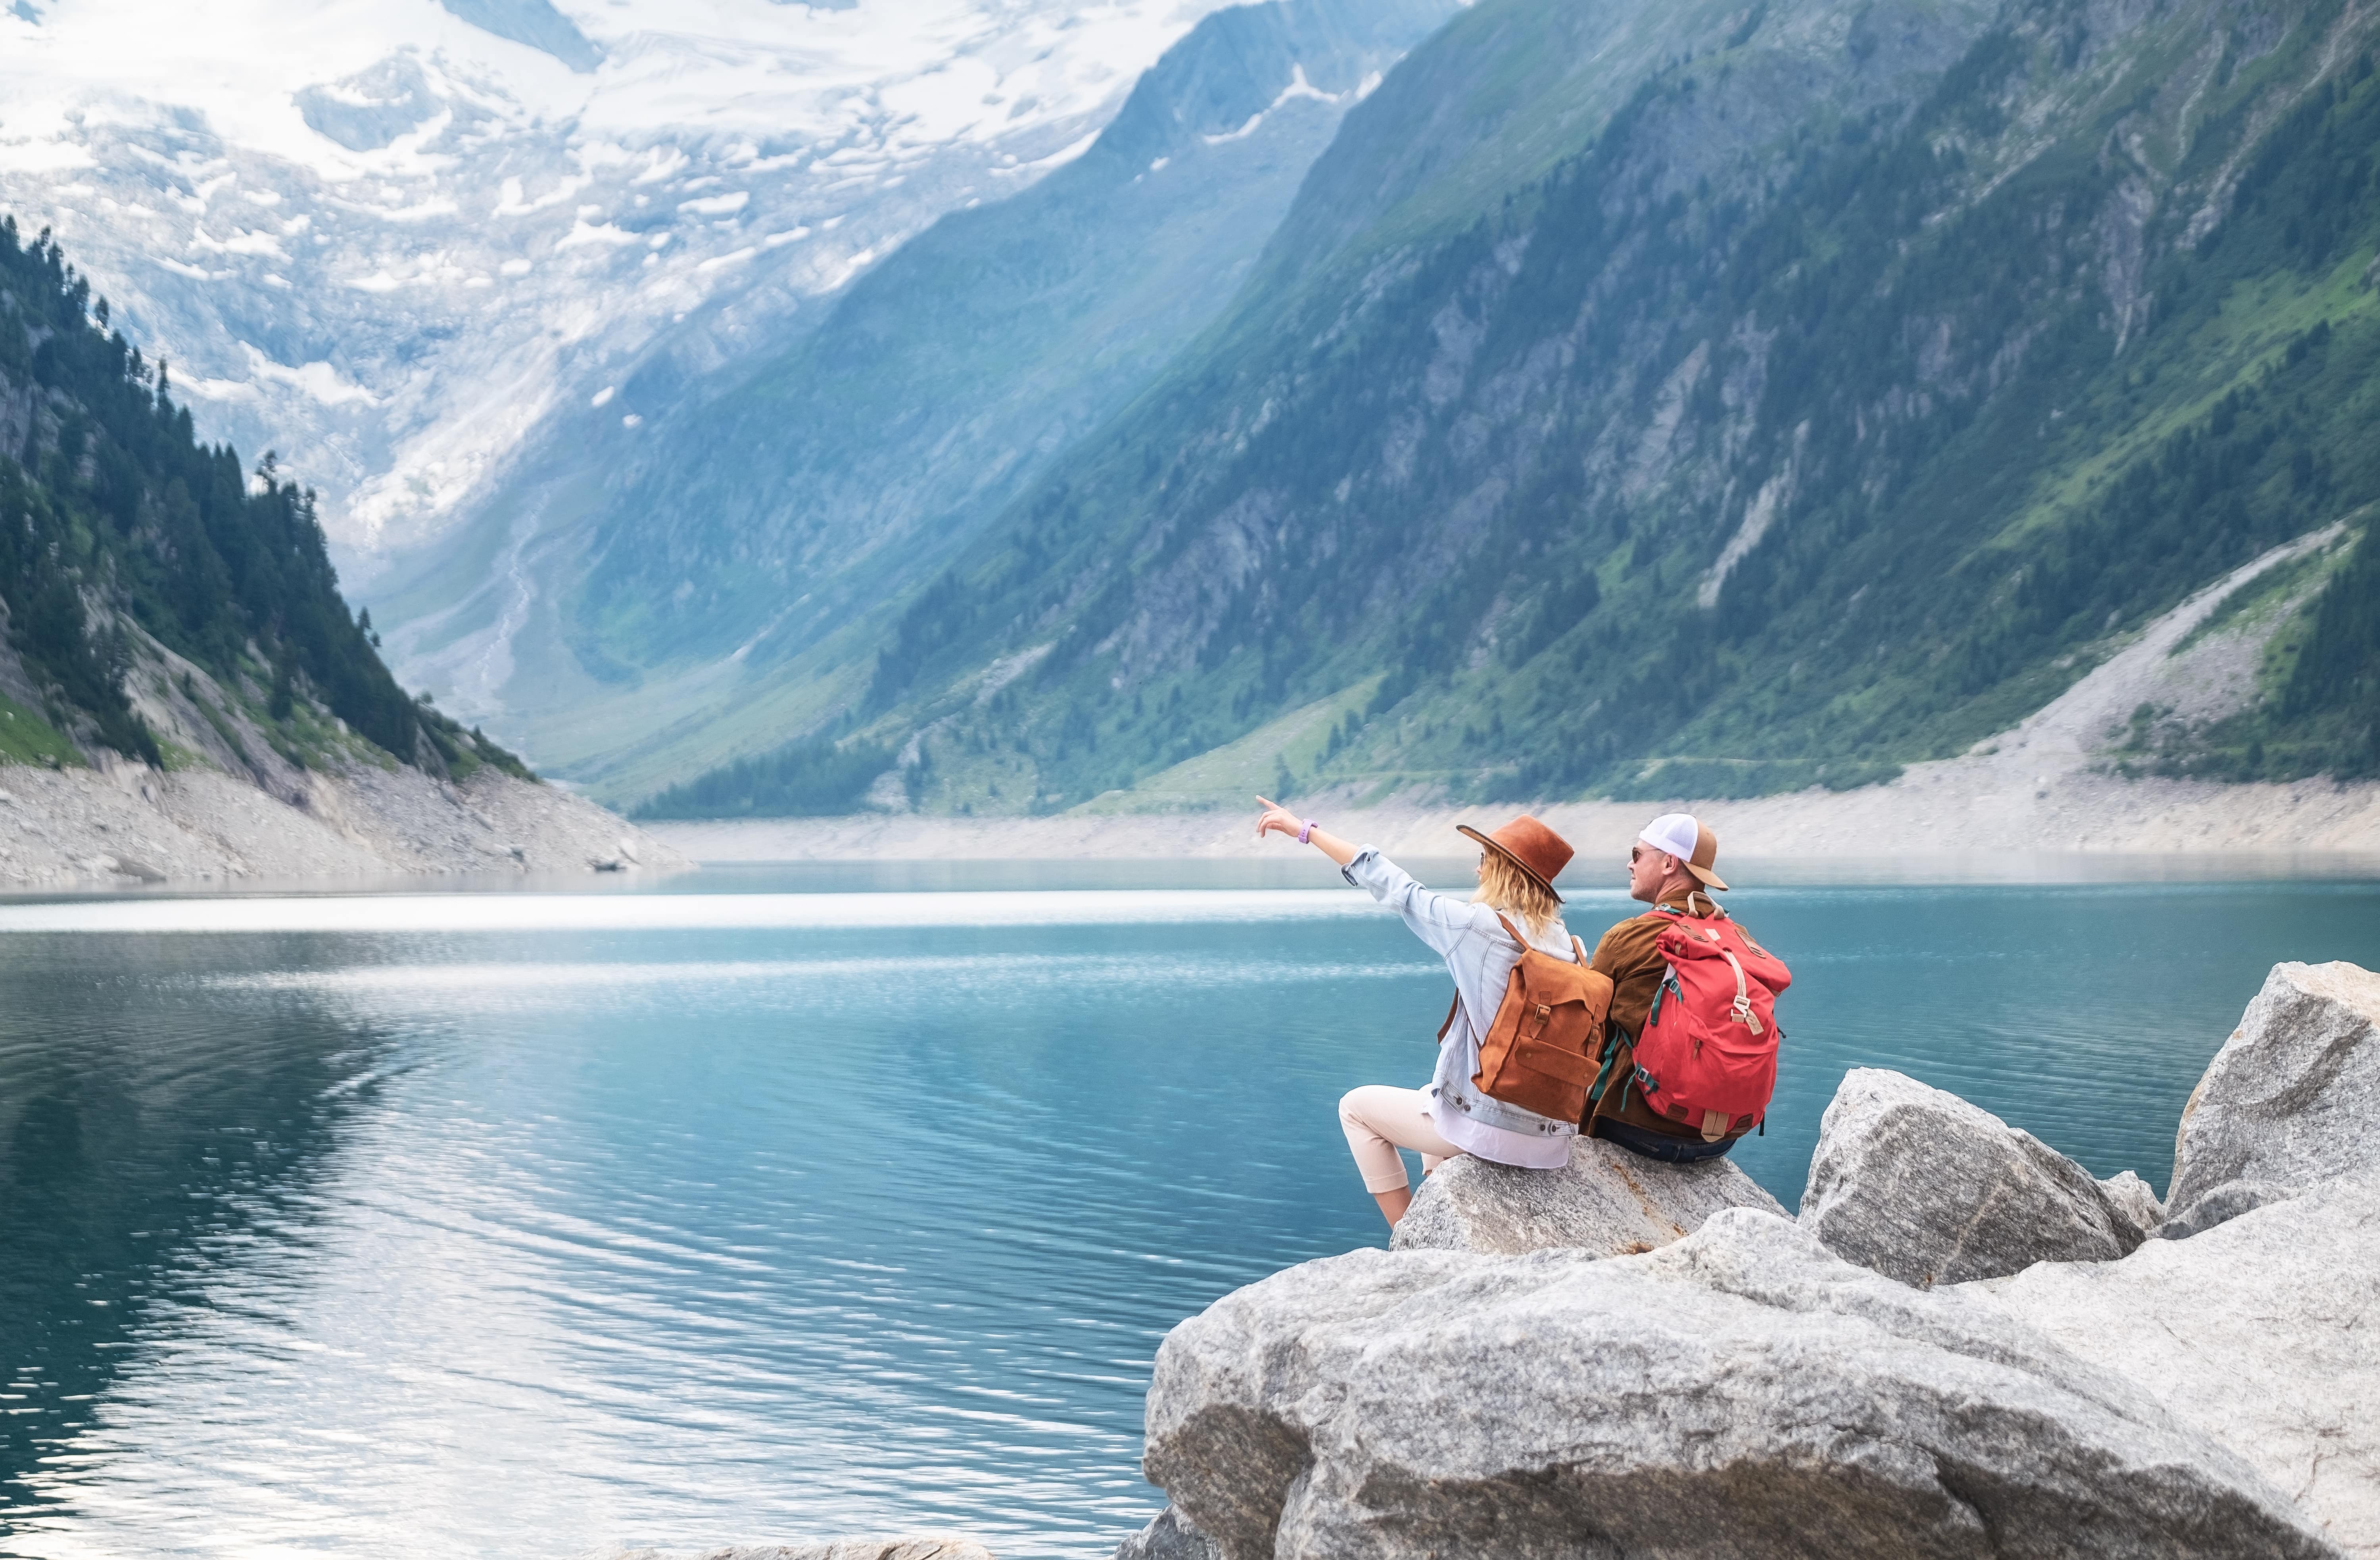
(1670, 869)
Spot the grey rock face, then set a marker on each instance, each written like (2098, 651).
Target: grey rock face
(2221, 1205)
(1168, 1537)
(1606, 1201)
(2292, 1096)
(2259, 1333)
(1923, 1187)
(915, 1546)
(1741, 1392)
(2130, 1200)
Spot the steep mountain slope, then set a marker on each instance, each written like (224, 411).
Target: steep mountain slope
(996, 338)
(1863, 378)
(177, 666)
(397, 236)
(126, 546)
(640, 626)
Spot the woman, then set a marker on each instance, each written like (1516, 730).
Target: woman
(1517, 866)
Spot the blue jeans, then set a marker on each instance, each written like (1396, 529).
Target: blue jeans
(1657, 1145)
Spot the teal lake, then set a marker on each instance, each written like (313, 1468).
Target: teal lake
(751, 1206)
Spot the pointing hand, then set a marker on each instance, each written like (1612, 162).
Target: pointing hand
(1276, 816)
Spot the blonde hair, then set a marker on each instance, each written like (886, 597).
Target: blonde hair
(1505, 887)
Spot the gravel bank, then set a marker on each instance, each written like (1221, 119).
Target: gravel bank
(124, 823)
(1935, 809)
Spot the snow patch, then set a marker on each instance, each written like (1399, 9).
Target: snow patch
(1299, 86)
(1057, 158)
(318, 381)
(581, 232)
(466, 214)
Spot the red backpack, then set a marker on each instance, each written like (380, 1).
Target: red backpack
(1706, 1057)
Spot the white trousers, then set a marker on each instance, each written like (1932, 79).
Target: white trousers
(1379, 1121)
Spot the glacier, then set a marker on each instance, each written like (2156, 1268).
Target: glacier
(390, 238)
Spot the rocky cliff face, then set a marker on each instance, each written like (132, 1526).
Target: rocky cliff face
(1767, 1387)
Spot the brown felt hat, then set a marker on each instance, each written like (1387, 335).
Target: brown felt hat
(1530, 846)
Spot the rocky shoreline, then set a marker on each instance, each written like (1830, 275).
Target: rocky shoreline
(1964, 1344)
(1959, 808)
(123, 824)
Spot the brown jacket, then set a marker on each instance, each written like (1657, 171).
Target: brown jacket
(1635, 966)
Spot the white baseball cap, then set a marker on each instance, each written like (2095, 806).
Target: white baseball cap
(1683, 836)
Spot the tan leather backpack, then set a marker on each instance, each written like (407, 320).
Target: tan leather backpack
(1538, 1054)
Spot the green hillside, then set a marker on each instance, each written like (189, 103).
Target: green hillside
(135, 562)
(1862, 379)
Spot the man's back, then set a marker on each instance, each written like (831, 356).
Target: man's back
(1671, 867)
(1627, 956)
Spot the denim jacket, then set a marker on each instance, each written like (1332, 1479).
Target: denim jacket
(1480, 957)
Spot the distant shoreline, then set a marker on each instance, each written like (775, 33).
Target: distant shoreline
(1937, 812)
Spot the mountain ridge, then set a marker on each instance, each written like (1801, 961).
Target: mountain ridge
(775, 506)
(2068, 371)
(398, 241)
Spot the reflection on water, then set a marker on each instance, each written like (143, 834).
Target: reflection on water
(147, 1135)
(532, 1224)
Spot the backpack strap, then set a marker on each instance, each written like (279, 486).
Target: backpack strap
(1578, 949)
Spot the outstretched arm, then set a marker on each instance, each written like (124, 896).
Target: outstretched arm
(1277, 819)
(1440, 919)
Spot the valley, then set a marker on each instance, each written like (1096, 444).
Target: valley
(1412, 406)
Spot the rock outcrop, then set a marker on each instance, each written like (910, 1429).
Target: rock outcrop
(2290, 1101)
(2134, 1201)
(1607, 1203)
(2221, 1205)
(1741, 1392)
(1920, 1186)
(2262, 1334)
(1168, 1536)
(1966, 1346)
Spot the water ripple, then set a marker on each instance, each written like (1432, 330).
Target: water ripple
(542, 1225)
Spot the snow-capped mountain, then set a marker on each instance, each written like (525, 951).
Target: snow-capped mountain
(633, 605)
(386, 237)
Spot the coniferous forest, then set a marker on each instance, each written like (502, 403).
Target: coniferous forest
(1814, 418)
(119, 529)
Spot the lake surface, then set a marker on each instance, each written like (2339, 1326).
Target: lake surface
(522, 1224)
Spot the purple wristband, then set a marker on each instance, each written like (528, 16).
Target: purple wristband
(1306, 835)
